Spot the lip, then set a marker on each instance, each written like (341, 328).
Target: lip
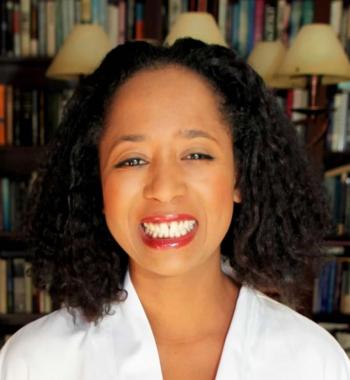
(168, 218)
(168, 243)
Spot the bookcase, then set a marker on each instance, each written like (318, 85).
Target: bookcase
(123, 20)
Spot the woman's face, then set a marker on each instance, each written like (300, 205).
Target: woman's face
(167, 171)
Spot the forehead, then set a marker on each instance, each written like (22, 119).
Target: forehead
(164, 97)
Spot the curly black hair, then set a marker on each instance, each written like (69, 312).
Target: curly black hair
(277, 227)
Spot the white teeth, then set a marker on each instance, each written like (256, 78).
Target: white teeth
(166, 230)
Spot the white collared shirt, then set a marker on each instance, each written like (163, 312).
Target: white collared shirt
(265, 341)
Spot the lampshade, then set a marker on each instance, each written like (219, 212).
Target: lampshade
(199, 25)
(81, 52)
(266, 58)
(317, 51)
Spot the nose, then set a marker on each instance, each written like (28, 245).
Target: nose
(164, 182)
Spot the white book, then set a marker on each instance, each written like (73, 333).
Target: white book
(113, 24)
(335, 17)
(338, 140)
(50, 28)
(174, 10)
(222, 16)
(25, 27)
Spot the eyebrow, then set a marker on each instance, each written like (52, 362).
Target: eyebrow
(186, 133)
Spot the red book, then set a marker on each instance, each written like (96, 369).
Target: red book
(259, 20)
(202, 6)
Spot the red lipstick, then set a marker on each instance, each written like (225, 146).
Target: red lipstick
(168, 242)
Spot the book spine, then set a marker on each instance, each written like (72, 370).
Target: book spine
(19, 294)
(308, 10)
(2, 114)
(77, 12)
(34, 28)
(122, 10)
(3, 286)
(139, 20)
(25, 27)
(86, 13)
(243, 28)
(174, 9)
(50, 28)
(222, 16)
(9, 286)
(336, 9)
(10, 27)
(6, 205)
(17, 28)
(28, 286)
(9, 114)
(270, 20)
(295, 19)
(113, 19)
(42, 27)
(259, 20)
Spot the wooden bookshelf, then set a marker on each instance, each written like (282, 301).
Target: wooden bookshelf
(10, 323)
(20, 160)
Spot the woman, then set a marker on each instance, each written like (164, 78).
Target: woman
(174, 192)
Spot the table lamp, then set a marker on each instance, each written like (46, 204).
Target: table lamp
(199, 25)
(81, 53)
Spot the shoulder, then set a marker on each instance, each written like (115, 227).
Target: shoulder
(38, 342)
(290, 335)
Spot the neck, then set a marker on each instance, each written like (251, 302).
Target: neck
(187, 307)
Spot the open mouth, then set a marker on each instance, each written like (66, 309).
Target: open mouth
(174, 229)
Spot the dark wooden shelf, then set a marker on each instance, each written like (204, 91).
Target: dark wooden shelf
(18, 319)
(24, 71)
(19, 160)
(343, 241)
(331, 318)
(12, 244)
(10, 323)
(334, 159)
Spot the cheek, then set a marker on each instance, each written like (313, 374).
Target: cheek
(115, 201)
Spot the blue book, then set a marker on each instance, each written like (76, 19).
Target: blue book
(6, 203)
(251, 26)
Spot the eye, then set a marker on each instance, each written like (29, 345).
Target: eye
(131, 162)
(199, 156)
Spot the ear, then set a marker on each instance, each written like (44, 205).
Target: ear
(237, 195)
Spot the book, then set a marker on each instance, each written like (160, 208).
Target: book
(50, 28)
(2, 114)
(3, 287)
(139, 20)
(335, 17)
(174, 10)
(259, 20)
(34, 28)
(25, 27)
(85, 11)
(113, 22)
(19, 293)
(270, 32)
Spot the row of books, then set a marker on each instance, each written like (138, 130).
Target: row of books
(332, 287)
(39, 27)
(13, 197)
(338, 191)
(28, 116)
(244, 22)
(338, 133)
(339, 20)
(17, 294)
